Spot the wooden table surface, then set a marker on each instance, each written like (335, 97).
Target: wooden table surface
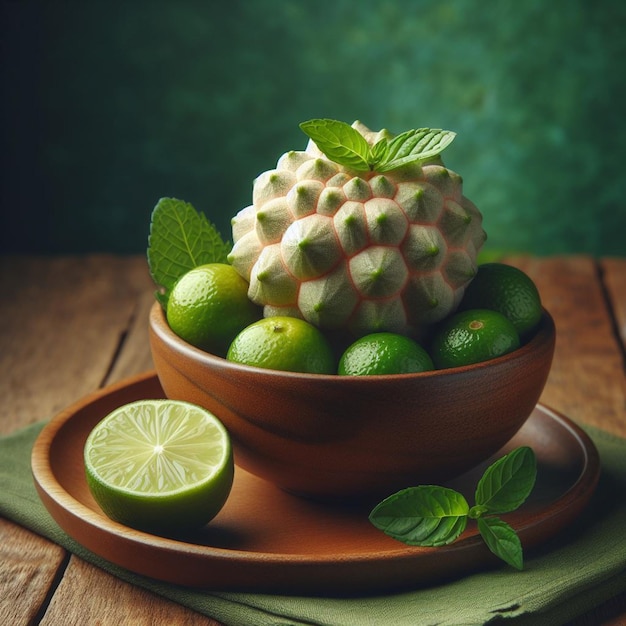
(73, 324)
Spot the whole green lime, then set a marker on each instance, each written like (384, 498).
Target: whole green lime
(283, 343)
(508, 290)
(209, 305)
(472, 337)
(384, 353)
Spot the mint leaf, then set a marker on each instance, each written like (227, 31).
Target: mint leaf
(379, 152)
(180, 239)
(422, 516)
(414, 145)
(502, 540)
(507, 483)
(339, 142)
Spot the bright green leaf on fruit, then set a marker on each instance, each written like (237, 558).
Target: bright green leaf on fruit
(379, 151)
(180, 239)
(414, 146)
(345, 145)
(507, 483)
(339, 142)
(422, 516)
(502, 540)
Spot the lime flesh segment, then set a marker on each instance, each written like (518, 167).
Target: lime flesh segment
(160, 465)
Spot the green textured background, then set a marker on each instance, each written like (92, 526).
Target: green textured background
(108, 106)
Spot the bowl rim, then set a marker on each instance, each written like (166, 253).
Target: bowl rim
(545, 334)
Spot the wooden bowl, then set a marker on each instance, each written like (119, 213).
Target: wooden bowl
(327, 436)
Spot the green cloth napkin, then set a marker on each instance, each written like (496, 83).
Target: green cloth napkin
(573, 573)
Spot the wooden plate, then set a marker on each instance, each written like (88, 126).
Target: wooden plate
(266, 540)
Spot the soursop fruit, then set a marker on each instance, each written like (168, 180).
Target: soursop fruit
(361, 231)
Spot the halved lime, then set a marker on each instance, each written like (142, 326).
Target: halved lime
(160, 465)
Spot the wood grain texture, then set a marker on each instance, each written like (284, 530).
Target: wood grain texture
(587, 381)
(29, 565)
(62, 322)
(134, 356)
(73, 324)
(114, 602)
(614, 279)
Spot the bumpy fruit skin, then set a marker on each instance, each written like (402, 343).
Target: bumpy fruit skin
(362, 251)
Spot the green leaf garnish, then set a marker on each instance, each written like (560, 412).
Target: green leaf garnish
(345, 145)
(507, 483)
(422, 516)
(379, 151)
(339, 142)
(415, 145)
(180, 239)
(502, 540)
(432, 516)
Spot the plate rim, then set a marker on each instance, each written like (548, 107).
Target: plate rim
(65, 509)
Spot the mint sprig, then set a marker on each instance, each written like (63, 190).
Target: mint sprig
(432, 516)
(345, 145)
(180, 239)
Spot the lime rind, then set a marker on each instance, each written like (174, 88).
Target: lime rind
(384, 353)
